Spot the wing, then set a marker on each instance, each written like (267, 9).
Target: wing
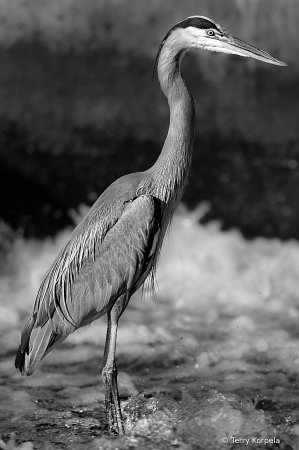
(94, 270)
(119, 266)
(98, 264)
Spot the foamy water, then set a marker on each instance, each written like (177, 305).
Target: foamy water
(215, 355)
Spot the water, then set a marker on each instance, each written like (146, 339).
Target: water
(213, 359)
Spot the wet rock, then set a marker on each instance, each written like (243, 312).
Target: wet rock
(17, 401)
(85, 396)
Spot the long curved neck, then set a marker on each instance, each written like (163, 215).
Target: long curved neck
(170, 172)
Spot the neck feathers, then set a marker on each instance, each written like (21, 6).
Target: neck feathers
(170, 172)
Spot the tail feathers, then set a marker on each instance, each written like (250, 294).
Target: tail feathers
(24, 346)
(35, 344)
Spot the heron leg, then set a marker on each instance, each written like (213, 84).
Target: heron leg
(109, 372)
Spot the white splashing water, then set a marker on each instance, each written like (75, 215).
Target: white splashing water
(201, 268)
(226, 308)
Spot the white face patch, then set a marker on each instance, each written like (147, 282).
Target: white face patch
(198, 38)
(196, 32)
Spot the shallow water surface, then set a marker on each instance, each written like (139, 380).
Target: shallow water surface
(212, 363)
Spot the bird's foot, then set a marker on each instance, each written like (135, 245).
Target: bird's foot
(113, 410)
(114, 419)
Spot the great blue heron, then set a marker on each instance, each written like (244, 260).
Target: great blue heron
(116, 246)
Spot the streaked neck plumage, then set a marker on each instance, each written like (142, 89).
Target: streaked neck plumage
(168, 176)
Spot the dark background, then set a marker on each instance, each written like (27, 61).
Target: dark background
(78, 110)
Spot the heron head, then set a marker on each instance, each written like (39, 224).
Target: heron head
(202, 32)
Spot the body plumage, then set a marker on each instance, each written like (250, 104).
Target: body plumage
(116, 246)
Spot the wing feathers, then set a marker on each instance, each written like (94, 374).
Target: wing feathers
(100, 263)
(40, 340)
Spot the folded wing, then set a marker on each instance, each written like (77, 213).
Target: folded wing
(98, 264)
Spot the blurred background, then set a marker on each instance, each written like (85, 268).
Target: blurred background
(78, 109)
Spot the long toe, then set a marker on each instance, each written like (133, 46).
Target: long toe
(114, 419)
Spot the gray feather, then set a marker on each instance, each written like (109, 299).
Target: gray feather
(97, 265)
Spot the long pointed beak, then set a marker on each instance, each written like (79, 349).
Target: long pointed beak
(239, 47)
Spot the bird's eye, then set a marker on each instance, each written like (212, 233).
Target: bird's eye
(211, 33)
